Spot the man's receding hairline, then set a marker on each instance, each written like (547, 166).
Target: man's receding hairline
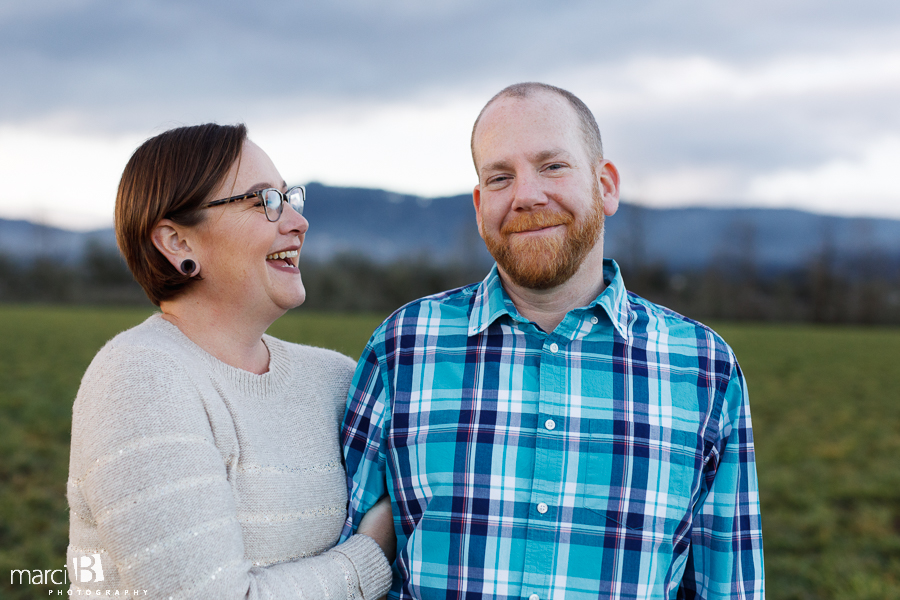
(522, 91)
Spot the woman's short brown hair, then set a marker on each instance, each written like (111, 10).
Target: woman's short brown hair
(169, 177)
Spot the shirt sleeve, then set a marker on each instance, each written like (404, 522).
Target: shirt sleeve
(149, 487)
(725, 559)
(362, 436)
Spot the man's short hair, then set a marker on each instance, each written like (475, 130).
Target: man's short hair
(586, 120)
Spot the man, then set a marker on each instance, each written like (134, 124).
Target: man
(546, 434)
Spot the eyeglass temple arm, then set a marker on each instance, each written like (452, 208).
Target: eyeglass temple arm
(232, 199)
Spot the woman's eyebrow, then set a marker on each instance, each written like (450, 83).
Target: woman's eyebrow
(260, 186)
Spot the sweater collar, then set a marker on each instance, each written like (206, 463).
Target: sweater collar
(280, 370)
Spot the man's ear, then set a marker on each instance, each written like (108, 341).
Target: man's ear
(608, 183)
(170, 239)
(476, 200)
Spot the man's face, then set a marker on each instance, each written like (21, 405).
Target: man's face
(541, 198)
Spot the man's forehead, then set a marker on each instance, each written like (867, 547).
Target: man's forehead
(520, 106)
(523, 113)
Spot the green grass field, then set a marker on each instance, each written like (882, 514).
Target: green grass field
(826, 414)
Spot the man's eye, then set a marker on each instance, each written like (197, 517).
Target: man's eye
(498, 179)
(555, 167)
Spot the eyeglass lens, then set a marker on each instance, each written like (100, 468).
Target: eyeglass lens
(296, 198)
(273, 199)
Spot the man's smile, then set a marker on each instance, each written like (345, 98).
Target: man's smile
(538, 230)
(536, 223)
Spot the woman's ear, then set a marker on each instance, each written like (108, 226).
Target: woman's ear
(170, 239)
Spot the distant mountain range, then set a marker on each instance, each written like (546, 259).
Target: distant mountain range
(385, 226)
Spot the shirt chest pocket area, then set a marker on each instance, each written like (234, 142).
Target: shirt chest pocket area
(637, 475)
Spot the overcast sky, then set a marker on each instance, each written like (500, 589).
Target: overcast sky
(788, 103)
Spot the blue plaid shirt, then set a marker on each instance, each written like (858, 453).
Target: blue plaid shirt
(611, 458)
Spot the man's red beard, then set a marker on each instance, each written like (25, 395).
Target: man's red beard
(541, 262)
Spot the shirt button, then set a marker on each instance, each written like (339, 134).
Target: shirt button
(594, 320)
(554, 348)
(542, 508)
(534, 597)
(550, 424)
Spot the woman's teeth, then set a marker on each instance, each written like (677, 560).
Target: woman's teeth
(287, 254)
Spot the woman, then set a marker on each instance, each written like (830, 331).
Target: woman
(205, 459)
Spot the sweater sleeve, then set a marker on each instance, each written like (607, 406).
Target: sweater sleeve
(149, 490)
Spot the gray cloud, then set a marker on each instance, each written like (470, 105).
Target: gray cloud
(132, 64)
(766, 134)
(141, 65)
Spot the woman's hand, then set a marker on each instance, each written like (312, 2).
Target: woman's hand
(378, 524)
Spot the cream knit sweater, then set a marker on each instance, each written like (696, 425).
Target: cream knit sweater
(193, 479)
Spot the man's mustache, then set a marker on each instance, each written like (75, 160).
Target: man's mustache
(531, 221)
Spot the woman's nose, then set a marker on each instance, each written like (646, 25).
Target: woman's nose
(291, 220)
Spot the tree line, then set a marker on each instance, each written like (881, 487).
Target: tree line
(828, 289)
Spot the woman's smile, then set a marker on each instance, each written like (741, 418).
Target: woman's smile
(285, 260)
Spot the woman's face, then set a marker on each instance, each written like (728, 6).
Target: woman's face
(237, 248)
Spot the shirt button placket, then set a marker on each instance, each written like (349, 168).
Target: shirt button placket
(538, 555)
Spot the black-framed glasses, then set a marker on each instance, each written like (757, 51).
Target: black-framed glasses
(271, 200)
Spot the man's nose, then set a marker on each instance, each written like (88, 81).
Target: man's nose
(528, 192)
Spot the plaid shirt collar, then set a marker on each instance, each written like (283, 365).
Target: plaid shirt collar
(492, 302)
